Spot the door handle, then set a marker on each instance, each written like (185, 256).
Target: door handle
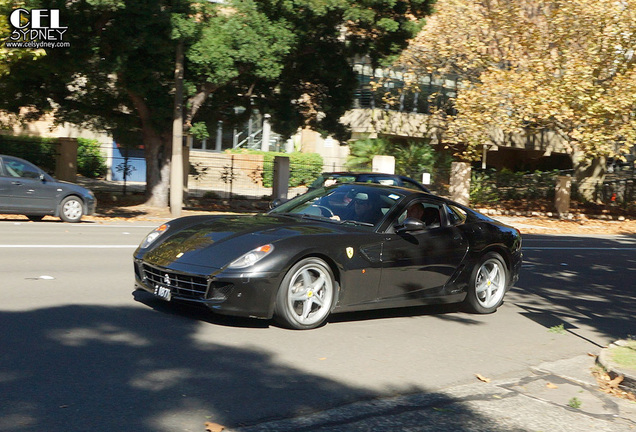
(17, 183)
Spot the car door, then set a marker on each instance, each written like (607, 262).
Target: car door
(5, 183)
(418, 264)
(28, 189)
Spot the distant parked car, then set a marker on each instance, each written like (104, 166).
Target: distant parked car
(26, 189)
(330, 178)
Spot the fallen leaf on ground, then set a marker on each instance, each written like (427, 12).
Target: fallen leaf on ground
(616, 381)
(213, 427)
(606, 386)
(482, 378)
(551, 386)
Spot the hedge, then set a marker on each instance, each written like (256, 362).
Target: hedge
(39, 151)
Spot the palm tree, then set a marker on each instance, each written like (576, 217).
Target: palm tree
(362, 153)
(414, 159)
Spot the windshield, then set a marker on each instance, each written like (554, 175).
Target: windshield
(348, 203)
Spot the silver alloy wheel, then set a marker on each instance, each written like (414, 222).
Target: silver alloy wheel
(490, 283)
(72, 210)
(310, 294)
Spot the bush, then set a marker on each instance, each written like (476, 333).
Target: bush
(490, 186)
(483, 187)
(90, 162)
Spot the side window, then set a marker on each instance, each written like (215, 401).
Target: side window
(455, 215)
(387, 181)
(427, 212)
(16, 168)
(409, 184)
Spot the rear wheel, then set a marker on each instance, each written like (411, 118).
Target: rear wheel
(306, 295)
(71, 209)
(488, 284)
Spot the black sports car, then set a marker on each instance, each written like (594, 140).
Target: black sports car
(335, 249)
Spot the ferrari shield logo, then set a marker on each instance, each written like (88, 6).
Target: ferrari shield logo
(349, 252)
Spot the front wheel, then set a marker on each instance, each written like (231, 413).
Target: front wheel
(71, 209)
(306, 295)
(488, 284)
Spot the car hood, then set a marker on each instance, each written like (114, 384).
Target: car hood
(216, 241)
(72, 187)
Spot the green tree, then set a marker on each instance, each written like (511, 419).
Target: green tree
(288, 58)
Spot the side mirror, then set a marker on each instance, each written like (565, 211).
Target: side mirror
(410, 224)
(275, 203)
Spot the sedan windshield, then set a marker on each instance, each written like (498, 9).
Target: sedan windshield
(349, 203)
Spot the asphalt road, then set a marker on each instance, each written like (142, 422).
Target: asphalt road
(80, 351)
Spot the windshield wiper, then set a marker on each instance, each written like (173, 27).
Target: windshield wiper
(314, 217)
(354, 222)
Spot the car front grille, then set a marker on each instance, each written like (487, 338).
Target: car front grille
(181, 284)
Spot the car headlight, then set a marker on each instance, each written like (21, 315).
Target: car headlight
(252, 257)
(154, 235)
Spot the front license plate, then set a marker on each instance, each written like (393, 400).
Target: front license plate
(163, 292)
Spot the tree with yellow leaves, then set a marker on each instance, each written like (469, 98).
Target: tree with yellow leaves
(535, 65)
(8, 56)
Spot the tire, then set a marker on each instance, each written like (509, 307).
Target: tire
(71, 209)
(35, 218)
(488, 284)
(306, 295)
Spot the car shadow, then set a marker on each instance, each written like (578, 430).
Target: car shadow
(196, 312)
(449, 312)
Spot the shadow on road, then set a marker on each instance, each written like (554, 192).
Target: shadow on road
(80, 368)
(580, 282)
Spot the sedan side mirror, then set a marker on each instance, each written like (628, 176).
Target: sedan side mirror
(410, 224)
(275, 203)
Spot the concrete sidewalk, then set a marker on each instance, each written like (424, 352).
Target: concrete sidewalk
(562, 396)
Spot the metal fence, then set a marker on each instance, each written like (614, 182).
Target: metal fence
(493, 187)
(230, 176)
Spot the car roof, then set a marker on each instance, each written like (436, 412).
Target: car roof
(356, 173)
(403, 190)
(373, 174)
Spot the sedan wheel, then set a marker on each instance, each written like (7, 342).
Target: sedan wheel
(488, 284)
(71, 209)
(306, 295)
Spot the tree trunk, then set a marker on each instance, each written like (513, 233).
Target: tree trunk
(158, 149)
(460, 182)
(589, 175)
(158, 153)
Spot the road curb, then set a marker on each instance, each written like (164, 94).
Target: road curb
(604, 359)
